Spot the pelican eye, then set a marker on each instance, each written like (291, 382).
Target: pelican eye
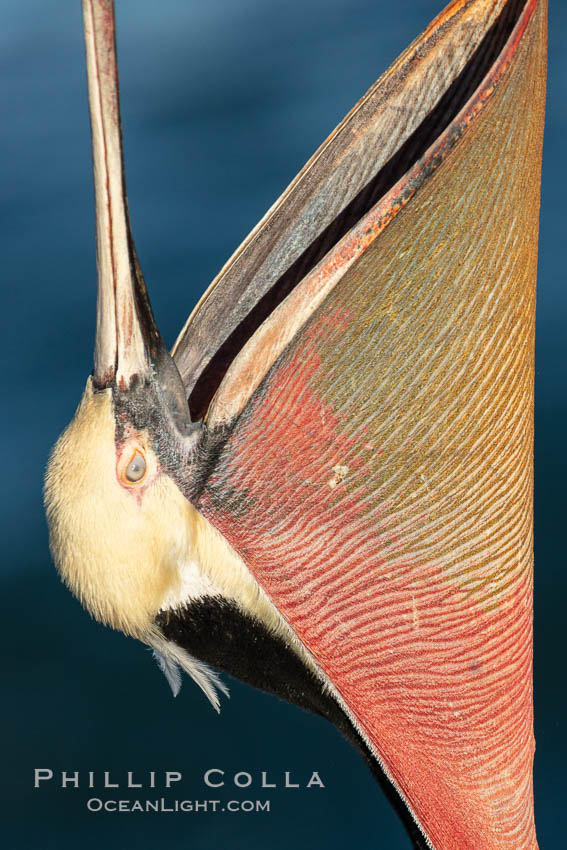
(136, 469)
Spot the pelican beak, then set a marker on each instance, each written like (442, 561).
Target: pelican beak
(126, 333)
(129, 349)
(127, 338)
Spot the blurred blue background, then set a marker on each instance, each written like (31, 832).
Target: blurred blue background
(222, 104)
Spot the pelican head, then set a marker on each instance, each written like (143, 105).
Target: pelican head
(112, 477)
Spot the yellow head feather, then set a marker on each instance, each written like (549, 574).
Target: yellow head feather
(110, 544)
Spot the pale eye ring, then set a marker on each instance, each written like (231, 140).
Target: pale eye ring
(136, 469)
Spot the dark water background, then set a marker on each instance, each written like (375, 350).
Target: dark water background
(223, 102)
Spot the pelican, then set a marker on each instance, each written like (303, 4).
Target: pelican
(325, 489)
